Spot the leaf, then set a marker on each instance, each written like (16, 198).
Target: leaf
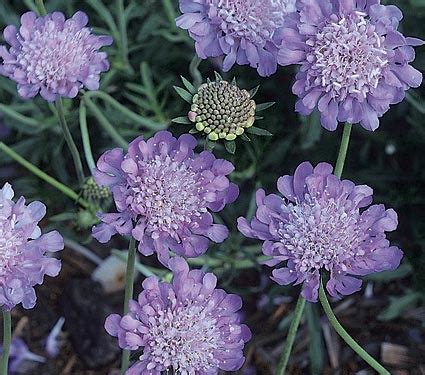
(188, 85)
(193, 131)
(398, 305)
(218, 77)
(181, 120)
(230, 147)
(401, 272)
(316, 344)
(254, 91)
(259, 131)
(185, 95)
(245, 138)
(264, 106)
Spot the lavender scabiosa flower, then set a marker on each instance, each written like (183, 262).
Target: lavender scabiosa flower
(353, 62)
(163, 192)
(323, 224)
(187, 326)
(23, 262)
(19, 353)
(53, 56)
(245, 31)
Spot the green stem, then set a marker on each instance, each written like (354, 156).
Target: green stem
(7, 339)
(342, 155)
(86, 137)
(298, 313)
(346, 337)
(128, 295)
(44, 176)
(123, 32)
(8, 111)
(40, 7)
(71, 144)
(104, 122)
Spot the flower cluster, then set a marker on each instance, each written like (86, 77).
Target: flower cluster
(354, 62)
(245, 31)
(187, 326)
(323, 224)
(163, 192)
(23, 262)
(53, 56)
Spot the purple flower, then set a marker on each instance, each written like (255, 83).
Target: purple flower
(246, 32)
(163, 192)
(23, 262)
(323, 224)
(20, 353)
(354, 62)
(187, 326)
(53, 56)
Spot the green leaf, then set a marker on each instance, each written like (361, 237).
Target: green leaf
(401, 272)
(230, 147)
(218, 77)
(193, 131)
(264, 106)
(182, 120)
(188, 85)
(245, 138)
(254, 91)
(398, 305)
(316, 344)
(234, 83)
(259, 131)
(185, 95)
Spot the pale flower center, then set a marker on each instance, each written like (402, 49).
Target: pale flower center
(11, 243)
(347, 57)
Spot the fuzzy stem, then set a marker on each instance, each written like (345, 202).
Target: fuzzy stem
(71, 144)
(346, 337)
(128, 295)
(7, 339)
(44, 176)
(298, 313)
(343, 149)
(86, 137)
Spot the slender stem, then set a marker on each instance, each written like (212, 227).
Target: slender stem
(85, 137)
(346, 337)
(298, 313)
(129, 286)
(7, 339)
(104, 122)
(40, 7)
(342, 155)
(8, 111)
(71, 144)
(44, 176)
(123, 32)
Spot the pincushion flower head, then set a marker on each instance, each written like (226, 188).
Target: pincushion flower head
(53, 56)
(163, 192)
(187, 326)
(323, 224)
(221, 110)
(246, 32)
(23, 259)
(353, 62)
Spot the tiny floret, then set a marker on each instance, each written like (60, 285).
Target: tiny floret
(186, 327)
(353, 62)
(246, 32)
(53, 56)
(164, 192)
(323, 224)
(23, 260)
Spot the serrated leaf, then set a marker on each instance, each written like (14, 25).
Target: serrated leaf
(230, 147)
(254, 91)
(245, 138)
(264, 106)
(181, 120)
(188, 85)
(185, 95)
(218, 77)
(259, 131)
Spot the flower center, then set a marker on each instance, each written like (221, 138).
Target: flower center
(184, 336)
(53, 55)
(347, 57)
(11, 243)
(168, 194)
(321, 232)
(254, 20)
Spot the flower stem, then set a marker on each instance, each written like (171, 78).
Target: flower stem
(346, 337)
(40, 7)
(71, 144)
(123, 33)
(44, 176)
(7, 339)
(128, 295)
(85, 137)
(299, 308)
(342, 155)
